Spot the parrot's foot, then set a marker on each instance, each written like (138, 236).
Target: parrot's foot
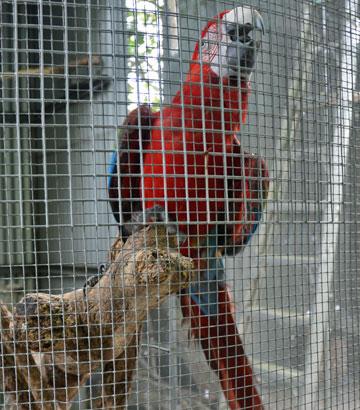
(156, 214)
(93, 280)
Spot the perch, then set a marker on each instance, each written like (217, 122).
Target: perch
(52, 343)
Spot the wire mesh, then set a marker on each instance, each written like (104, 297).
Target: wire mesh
(103, 209)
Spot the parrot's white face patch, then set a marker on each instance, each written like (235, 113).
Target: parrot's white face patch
(210, 43)
(213, 48)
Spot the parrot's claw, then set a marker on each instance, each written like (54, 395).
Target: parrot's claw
(93, 280)
(156, 214)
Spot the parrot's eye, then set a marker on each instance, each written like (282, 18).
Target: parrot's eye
(203, 43)
(240, 32)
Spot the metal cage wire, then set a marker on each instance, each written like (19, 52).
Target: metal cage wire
(70, 73)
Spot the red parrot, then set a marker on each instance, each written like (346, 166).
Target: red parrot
(185, 165)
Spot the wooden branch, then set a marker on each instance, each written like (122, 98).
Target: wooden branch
(64, 338)
(20, 373)
(117, 378)
(52, 70)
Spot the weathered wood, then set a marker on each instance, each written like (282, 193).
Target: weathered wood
(117, 376)
(86, 61)
(63, 338)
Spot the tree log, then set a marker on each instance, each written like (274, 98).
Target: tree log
(52, 343)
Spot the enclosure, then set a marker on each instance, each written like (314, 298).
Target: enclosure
(70, 72)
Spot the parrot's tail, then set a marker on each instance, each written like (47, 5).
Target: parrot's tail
(224, 351)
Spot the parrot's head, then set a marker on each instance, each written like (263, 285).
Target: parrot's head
(229, 44)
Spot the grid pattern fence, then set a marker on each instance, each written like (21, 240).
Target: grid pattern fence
(93, 311)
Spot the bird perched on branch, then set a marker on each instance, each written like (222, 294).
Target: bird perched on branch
(185, 165)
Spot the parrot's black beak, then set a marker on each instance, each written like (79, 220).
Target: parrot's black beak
(242, 51)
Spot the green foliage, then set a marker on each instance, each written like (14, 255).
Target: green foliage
(144, 48)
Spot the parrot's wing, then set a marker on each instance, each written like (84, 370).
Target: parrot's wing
(125, 167)
(248, 186)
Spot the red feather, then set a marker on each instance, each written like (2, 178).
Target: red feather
(224, 351)
(134, 137)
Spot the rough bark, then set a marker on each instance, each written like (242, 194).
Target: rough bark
(52, 343)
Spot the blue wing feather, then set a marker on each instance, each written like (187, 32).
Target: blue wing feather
(112, 169)
(205, 292)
